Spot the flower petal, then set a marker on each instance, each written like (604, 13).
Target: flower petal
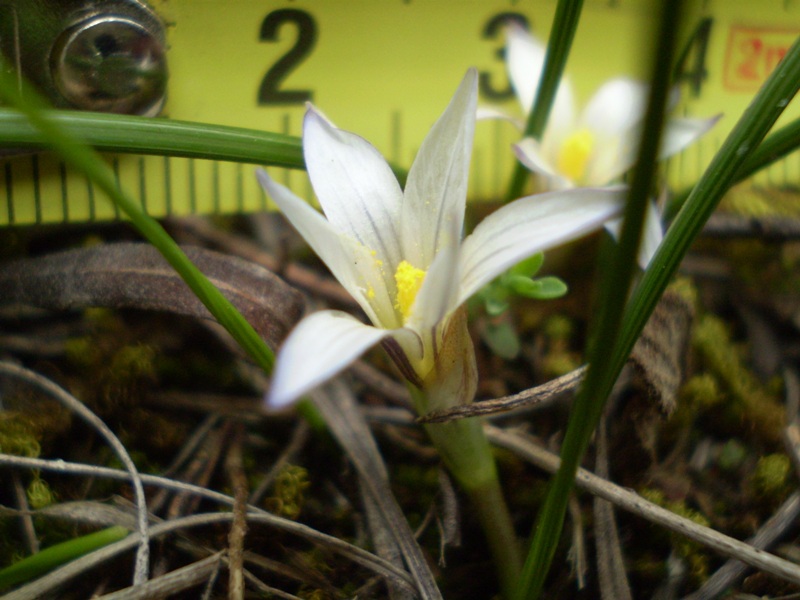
(529, 152)
(613, 157)
(356, 187)
(530, 225)
(681, 132)
(485, 113)
(615, 108)
(525, 61)
(436, 189)
(321, 346)
(651, 237)
(351, 263)
(438, 295)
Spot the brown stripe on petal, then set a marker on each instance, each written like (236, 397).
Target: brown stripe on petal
(395, 351)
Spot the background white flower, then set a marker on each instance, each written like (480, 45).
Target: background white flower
(400, 253)
(597, 146)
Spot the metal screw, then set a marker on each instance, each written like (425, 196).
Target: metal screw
(111, 63)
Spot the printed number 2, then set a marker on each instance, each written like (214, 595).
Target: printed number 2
(270, 92)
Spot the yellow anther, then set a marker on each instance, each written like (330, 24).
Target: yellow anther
(409, 279)
(574, 154)
(370, 292)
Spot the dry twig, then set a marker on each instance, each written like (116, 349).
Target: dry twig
(141, 567)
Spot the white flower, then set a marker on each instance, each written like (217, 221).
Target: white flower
(399, 252)
(598, 146)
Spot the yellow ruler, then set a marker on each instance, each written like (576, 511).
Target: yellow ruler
(382, 68)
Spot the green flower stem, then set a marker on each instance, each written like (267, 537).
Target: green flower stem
(465, 451)
(143, 135)
(565, 22)
(616, 282)
(778, 145)
(40, 563)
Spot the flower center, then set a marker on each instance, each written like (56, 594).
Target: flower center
(409, 279)
(574, 154)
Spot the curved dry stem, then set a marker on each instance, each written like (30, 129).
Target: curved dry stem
(633, 503)
(254, 515)
(141, 567)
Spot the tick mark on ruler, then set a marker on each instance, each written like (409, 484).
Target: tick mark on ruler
(142, 186)
(9, 193)
(37, 192)
(167, 186)
(62, 174)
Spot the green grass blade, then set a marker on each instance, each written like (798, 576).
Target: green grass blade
(565, 22)
(778, 145)
(616, 282)
(82, 157)
(732, 159)
(142, 135)
(38, 564)
(723, 171)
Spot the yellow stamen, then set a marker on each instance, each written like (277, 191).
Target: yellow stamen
(409, 279)
(574, 154)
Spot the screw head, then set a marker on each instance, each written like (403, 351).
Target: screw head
(111, 64)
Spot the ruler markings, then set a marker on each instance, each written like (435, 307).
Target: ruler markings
(9, 193)
(726, 61)
(168, 184)
(90, 194)
(396, 136)
(286, 130)
(192, 188)
(142, 186)
(115, 164)
(215, 182)
(477, 173)
(263, 198)
(37, 191)
(62, 172)
(239, 188)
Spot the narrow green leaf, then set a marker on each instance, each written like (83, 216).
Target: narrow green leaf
(38, 564)
(605, 326)
(143, 135)
(737, 153)
(778, 145)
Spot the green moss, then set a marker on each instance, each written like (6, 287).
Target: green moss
(701, 392)
(685, 288)
(289, 495)
(558, 328)
(132, 362)
(771, 477)
(559, 359)
(732, 455)
(747, 401)
(692, 552)
(18, 435)
(39, 493)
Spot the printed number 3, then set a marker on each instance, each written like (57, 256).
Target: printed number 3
(270, 92)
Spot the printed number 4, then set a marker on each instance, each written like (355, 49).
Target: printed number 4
(697, 45)
(270, 91)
